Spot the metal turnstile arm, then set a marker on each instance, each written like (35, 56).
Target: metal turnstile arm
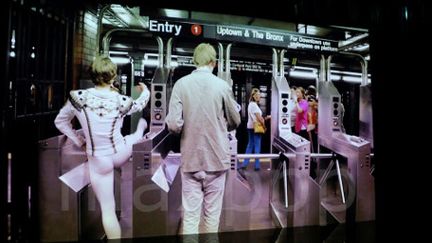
(285, 184)
(340, 181)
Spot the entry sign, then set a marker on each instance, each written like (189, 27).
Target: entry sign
(174, 28)
(196, 29)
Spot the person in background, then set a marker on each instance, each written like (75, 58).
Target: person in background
(312, 127)
(310, 91)
(302, 108)
(254, 139)
(202, 110)
(100, 111)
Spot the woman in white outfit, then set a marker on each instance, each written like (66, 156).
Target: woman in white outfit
(254, 139)
(100, 111)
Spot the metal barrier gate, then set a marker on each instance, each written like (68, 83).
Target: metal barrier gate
(155, 212)
(294, 195)
(359, 202)
(68, 208)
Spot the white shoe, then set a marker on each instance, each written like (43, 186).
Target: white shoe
(142, 125)
(138, 135)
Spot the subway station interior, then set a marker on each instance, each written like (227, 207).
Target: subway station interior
(337, 185)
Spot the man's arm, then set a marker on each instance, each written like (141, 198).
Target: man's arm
(231, 110)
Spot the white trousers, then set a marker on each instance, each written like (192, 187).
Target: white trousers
(101, 171)
(202, 189)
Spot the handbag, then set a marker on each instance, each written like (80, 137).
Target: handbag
(258, 127)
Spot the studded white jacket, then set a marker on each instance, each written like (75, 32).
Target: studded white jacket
(100, 114)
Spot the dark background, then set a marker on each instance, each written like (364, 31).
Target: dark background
(400, 64)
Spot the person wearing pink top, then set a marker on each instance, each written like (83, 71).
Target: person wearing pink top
(302, 109)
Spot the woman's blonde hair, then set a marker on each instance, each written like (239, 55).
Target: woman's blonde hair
(204, 54)
(253, 92)
(302, 91)
(103, 70)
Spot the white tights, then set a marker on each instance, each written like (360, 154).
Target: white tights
(101, 170)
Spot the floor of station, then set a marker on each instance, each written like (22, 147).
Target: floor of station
(259, 182)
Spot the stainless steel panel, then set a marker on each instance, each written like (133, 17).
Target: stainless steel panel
(359, 183)
(238, 198)
(155, 212)
(366, 122)
(281, 118)
(360, 189)
(159, 98)
(302, 191)
(68, 207)
(330, 109)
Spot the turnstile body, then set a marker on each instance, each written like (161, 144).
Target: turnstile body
(358, 182)
(238, 197)
(155, 212)
(294, 195)
(300, 207)
(68, 208)
(359, 187)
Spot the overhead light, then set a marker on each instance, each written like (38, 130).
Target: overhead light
(120, 60)
(307, 29)
(354, 79)
(335, 77)
(346, 73)
(361, 47)
(305, 68)
(174, 13)
(154, 63)
(150, 62)
(120, 46)
(347, 35)
(119, 52)
(303, 74)
(347, 44)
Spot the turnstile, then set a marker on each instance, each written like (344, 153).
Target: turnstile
(155, 211)
(299, 205)
(294, 195)
(68, 208)
(354, 198)
(238, 197)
